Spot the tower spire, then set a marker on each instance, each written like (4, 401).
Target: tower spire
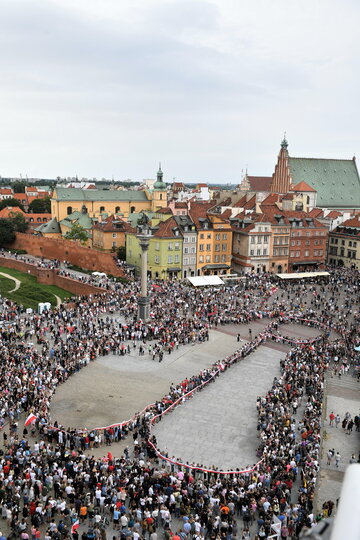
(284, 143)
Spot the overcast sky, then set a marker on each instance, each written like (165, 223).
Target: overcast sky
(111, 87)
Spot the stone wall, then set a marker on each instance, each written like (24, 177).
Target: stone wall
(49, 276)
(67, 250)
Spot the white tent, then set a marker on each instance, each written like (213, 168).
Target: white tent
(301, 275)
(205, 281)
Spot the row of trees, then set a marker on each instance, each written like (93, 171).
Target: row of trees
(37, 206)
(11, 225)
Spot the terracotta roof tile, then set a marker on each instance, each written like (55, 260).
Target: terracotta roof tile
(251, 203)
(316, 212)
(114, 224)
(259, 183)
(8, 210)
(333, 214)
(165, 229)
(352, 222)
(303, 186)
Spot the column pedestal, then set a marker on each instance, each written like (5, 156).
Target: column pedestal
(144, 308)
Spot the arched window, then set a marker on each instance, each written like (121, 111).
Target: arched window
(38, 219)
(117, 209)
(161, 196)
(69, 210)
(308, 199)
(132, 209)
(102, 208)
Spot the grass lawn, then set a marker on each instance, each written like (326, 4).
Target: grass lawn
(30, 292)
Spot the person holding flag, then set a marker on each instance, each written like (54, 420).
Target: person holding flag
(30, 419)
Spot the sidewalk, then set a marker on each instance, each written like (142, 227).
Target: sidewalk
(342, 395)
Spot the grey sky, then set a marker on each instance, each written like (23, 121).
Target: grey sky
(207, 87)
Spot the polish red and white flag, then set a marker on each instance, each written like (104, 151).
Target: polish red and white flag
(75, 526)
(30, 419)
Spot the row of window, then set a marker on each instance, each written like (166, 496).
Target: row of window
(171, 246)
(258, 252)
(259, 239)
(217, 258)
(307, 242)
(351, 254)
(69, 209)
(217, 236)
(280, 251)
(335, 241)
(308, 233)
(281, 240)
(208, 247)
(192, 260)
(171, 259)
(186, 239)
(38, 220)
(317, 253)
(187, 260)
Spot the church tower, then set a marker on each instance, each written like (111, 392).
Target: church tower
(159, 194)
(281, 181)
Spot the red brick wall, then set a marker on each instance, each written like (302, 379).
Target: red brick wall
(50, 277)
(66, 250)
(316, 243)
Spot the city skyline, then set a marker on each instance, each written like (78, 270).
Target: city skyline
(98, 89)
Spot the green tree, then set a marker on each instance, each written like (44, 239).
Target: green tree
(121, 253)
(11, 202)
(18, 220)
(77, 233)
(40, 206)
(19, 186)
(7, 232)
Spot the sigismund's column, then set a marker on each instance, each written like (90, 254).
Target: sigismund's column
(144, 300)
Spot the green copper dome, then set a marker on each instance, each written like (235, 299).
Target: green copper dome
(160, 184)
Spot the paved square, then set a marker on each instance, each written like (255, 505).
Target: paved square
(217, 427)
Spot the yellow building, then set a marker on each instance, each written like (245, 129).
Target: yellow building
(109, 234)
(214, 246)
(66, 201)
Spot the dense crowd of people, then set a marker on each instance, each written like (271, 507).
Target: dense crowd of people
(49, 483)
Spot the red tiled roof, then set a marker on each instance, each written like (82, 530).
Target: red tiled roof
(270, 199)
(251, 203)
(8, 210)
(303, 186)
(20, 197)
(109, 225)
(165, 229)
(199, 210)
(352, 222)
(166, 210)
(226, 214)
(259, 183)
(6, 191)
(333, 214)
(316, 212)
(180, 205)
(288, 197)
(240, 203)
